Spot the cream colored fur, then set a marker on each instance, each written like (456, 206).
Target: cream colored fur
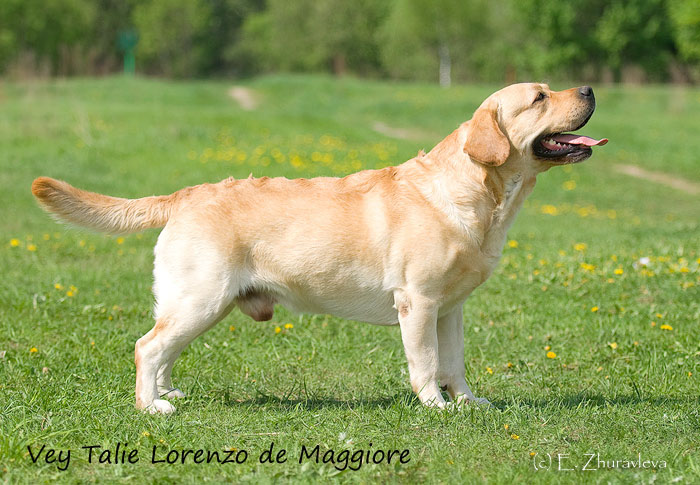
(404, 244)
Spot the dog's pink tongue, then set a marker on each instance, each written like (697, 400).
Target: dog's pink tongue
(580, 140)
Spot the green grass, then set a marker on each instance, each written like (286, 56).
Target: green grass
(619, 386)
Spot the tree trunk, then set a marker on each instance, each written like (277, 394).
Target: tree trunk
(445, 65)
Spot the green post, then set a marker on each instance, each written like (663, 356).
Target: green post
(127, 41)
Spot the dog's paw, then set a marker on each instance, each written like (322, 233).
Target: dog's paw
(482, 401)
(161, 406)
(463, 400)
(172, 393)
(436, 402)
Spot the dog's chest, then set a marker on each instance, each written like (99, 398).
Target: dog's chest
(474, 264)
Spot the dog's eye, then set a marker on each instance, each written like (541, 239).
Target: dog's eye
(540, 97)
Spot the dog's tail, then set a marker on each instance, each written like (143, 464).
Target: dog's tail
(102, 212)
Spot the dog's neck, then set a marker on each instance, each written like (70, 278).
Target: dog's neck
(482, 201)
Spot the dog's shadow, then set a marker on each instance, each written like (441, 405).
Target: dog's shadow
(315, 403)
(591, 400)
(407, 398)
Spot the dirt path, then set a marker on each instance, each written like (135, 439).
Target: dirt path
(401, 133)
(660, 178)
(245, 97)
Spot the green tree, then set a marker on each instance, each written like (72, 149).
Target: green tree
(170, 36)
(44, 28)
(307, 35)
(422, 39)
(636, 32)
(685, 17)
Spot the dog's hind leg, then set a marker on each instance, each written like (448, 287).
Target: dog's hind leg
(194, 291)
(156, 351)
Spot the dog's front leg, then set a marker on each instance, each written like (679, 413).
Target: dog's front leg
(450, 331)
(418, 320)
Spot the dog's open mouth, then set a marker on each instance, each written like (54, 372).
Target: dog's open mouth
(565, 147)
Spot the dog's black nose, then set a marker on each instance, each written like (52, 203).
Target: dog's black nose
(585, 91)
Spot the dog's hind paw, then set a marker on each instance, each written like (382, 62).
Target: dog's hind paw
(161, 406)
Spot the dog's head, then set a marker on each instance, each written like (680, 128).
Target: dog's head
(527, 122)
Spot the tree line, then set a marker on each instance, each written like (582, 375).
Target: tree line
(427, 40)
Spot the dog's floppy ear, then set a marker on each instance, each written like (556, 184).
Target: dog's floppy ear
(486, 143)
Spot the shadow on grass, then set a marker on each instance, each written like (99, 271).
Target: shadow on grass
(408, 399)
(312, 403)
(584, 400)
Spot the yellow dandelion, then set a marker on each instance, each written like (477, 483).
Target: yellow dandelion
(509, 365)
(549, 209)
(580, 246)
(532, 453)
(92, 342)
(569, 185)
(232, 328)
(551, 355)
(489, 370)
(31, 247)
(594, 309)
(653, 324)
(146, 433)
(635, 343)
(515, 436)
(58, 286)
(599, 369)
(547, 347)
(587, 266)
(612, 345)
(666, 326)
(278, 329)
(47, 237)
(658, 315)
(512, 243)
(69, 293)
(288, 326)
(14, 242)
(120, 240)
(619, 271)
(690, 374)
(81, 243)
(33, 350)
(505, 426)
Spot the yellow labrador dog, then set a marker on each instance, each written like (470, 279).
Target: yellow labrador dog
(404, 244)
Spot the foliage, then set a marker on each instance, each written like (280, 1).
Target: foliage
(408, 39)
(685, 15)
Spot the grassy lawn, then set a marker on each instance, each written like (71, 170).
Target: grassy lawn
(623, 372)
